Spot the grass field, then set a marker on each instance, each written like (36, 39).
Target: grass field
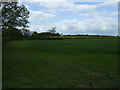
(75, 63)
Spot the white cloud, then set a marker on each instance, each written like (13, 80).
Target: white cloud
(111, 3)
(97, 13)
(98, 25)
(66, 6)
(69, 0)
(27, 6)
(38, 28)
(39, 15)
(42, 0)
(80, 9)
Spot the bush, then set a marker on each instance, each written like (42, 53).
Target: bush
(5, 39)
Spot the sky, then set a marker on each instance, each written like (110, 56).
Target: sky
(73, 16)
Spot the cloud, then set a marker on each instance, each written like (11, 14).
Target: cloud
(80, 9)
(98, 22)
(50, 9)
(66, 6)
(27, 6)
(39, 15)
(42, 0)
(98, 25)
(38, 28)
(112, 3)
(70, 0)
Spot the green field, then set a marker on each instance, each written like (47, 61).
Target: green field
(69, 63)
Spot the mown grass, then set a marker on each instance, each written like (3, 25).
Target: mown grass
(74, 63)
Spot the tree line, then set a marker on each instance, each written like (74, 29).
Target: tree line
(45, 35)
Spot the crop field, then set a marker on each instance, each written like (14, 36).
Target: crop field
(85, 37)
(68, 63)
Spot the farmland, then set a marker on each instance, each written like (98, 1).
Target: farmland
(68, 63)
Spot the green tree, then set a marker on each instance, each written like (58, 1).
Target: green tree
(25, 32)
(14, 17)
(52, 30)
(35, 35)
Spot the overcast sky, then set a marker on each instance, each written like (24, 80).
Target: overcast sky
(73, 17)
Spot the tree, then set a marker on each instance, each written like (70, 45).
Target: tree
(14, 17)
(52, 30)
(35, 35)
(25, 32)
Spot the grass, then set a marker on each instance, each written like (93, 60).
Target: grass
(75, 63)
